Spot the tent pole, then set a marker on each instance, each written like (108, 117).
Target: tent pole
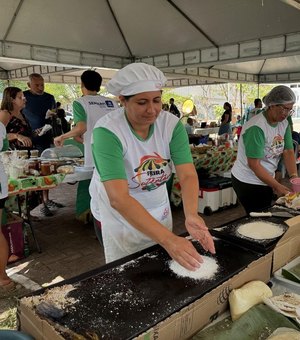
(241, 98)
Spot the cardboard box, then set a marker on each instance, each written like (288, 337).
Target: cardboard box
(288, 247)
(191, 319)
(180, 325)
(31, 324)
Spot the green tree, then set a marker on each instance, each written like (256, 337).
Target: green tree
(17, 83)
(179, 100)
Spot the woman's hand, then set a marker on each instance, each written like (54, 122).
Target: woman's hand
(59, 141)
(182, 251)
(78, 139)
(196, 227)
(25, 141)
(281, 190)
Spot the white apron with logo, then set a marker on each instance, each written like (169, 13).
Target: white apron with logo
(148, 167)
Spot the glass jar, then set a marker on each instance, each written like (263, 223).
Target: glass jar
(53, 166)
(45, 168)
(22, 154)
(34, 153)
(32, 164)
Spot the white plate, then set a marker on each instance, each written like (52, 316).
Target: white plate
(278, 275)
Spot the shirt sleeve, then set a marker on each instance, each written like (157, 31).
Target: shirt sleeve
(109, 162)
(179, 146)
(254, 142)
(288, 140)
(79, 113)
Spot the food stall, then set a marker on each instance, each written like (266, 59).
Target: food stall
(29, 176)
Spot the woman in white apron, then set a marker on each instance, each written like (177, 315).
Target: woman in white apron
(5, 282)
(134, 149)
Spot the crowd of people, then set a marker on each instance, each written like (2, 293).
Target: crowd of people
(128, 194)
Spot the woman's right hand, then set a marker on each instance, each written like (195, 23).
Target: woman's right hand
(182, 251)
(59, 140)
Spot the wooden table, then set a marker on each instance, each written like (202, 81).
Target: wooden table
(17, 187)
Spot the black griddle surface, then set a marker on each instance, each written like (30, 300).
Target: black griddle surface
(229, 232)
(125, 300)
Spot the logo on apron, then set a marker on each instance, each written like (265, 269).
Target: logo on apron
(152, 172)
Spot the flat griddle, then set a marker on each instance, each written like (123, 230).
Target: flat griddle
(127, 297)
(229, 232)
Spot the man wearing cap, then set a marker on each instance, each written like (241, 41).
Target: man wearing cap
(87, 110)
(128, 187)
(264, 138)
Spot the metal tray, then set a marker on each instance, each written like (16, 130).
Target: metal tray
(127, 297)
(229, 232)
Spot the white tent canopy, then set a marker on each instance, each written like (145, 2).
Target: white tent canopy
(192, 41)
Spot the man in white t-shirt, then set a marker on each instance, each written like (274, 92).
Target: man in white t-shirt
(87, 110)
(257, 109)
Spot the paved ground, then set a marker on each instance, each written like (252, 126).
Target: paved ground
(70, 248)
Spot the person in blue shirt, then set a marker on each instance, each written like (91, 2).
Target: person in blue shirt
(38, 103)
(189, 126)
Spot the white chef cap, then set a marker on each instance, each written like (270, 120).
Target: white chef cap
(280, 95)
(136, 78)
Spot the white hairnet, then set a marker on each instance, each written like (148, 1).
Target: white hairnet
(279, 95)
(136, 78)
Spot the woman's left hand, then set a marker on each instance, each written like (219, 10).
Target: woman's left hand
(26, 141)
(196, 227)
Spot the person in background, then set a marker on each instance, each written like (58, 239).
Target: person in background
(237, 128)
(189, 126)
(61, 114)
(19, 136)
(38, 102)
(225, 127)
(256, 110)
(264, 138)
(6, 283)
(173, 108)
(87, 110)
(18, 130)
(128, 187)
(295, 137)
